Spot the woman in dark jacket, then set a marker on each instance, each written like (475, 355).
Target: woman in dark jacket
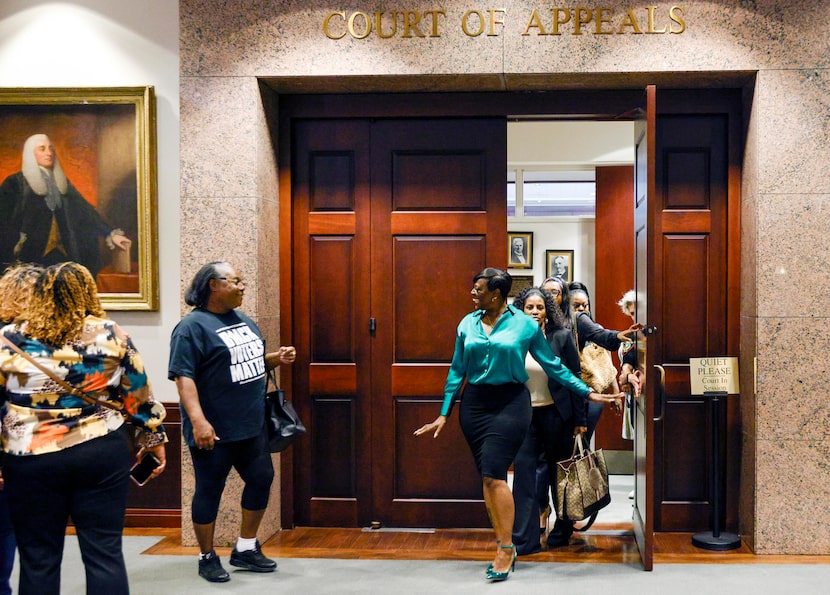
(589, 331)
(557, 415)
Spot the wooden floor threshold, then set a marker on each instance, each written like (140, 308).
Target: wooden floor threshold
(604, 544)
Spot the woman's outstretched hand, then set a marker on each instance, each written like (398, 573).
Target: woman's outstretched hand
(615, 399)
(437, 425)
(629, 333)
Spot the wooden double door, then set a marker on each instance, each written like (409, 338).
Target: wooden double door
(391, 220)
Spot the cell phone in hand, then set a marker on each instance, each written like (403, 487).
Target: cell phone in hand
(141, 471)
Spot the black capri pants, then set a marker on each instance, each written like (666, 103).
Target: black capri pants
(251, 459)
(494, 419)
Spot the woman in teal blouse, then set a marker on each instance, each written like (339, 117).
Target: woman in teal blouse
(490, 348)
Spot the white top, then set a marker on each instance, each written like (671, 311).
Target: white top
(537, 383)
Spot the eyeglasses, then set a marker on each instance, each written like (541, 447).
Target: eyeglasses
(234, 280)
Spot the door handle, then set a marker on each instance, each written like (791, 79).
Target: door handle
(661, 392)
(373, 326)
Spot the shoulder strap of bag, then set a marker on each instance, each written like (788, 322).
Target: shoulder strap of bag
(587, 525)
(272, 378)
(579, 448)
(583, 450)
(69, 388)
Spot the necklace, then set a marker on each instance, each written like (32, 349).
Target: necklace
(490, 320)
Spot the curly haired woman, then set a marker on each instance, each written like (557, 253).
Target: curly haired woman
(15, 290)
(65, 457)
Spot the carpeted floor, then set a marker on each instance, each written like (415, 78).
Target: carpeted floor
(177, 574)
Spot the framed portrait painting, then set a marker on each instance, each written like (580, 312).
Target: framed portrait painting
(520, 249)
(520, 282)
(78, 183)
(559, 263)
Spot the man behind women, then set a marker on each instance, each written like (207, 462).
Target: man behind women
(15, 290)
(219, 363)
(557, 415)
(490, 349)
(66, 457)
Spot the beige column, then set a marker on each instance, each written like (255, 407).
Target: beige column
(229, 212)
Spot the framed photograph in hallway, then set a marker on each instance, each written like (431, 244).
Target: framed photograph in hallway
(520, 249)
(520, 282)
(78, 175)
(559, 263)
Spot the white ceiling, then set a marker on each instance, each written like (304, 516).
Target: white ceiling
(558, 145)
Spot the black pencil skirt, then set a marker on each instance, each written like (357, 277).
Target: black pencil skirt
(494, 419)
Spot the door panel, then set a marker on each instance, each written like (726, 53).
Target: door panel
(325, 346)
(438, 218)
(331, 377)
(392, 219)
(691, 178)
(418, 287)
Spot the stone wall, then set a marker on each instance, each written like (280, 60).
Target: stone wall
(229, 187)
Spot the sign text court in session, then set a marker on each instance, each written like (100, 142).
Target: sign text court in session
(714, 374)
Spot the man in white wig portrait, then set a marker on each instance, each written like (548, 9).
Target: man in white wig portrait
(43, 217)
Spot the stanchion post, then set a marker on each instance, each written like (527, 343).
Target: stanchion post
(714, 539)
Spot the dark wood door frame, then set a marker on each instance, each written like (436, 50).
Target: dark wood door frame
(596, 105)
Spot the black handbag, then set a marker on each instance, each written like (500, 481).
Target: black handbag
(283, 423)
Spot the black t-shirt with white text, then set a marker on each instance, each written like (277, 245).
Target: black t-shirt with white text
(224, 355)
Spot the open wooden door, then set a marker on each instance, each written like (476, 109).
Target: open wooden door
(645, 283)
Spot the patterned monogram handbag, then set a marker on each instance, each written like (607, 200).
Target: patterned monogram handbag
(581, 484)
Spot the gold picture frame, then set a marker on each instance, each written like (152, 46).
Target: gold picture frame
(104, 143)
(520, 249)
(559, 263)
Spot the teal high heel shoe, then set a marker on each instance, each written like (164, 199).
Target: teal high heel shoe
(494, 576)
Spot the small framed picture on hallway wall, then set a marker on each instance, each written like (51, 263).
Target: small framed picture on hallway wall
(78, 183)
(559, 263)
(520, 249)
(520, 282)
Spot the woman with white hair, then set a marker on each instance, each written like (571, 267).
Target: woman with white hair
(629, 378)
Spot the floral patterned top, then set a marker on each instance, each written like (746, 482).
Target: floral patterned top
(40, 417)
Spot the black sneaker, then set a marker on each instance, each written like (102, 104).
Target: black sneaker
(252, 560)
(210, 569)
